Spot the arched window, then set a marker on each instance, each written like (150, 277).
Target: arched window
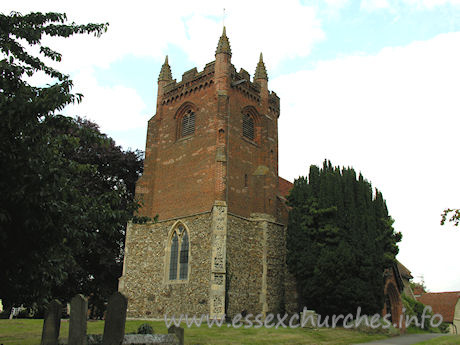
(179, 254)
(173, 257)
(248, 126)
(185, 120)
(187, 124)
(183, 262)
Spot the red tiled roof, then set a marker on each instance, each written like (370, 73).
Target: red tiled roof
(442, 303)
(284, 186)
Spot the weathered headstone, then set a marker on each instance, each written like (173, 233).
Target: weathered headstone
(77, 325)
(179, 332)
(114, 327)
(309, 319)
(52, 323)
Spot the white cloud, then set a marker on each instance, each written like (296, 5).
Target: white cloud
(114, 108)
(331, 9)
(395, 117)
(373, 5)
(337, 3)
(280, 30)
(429, 4)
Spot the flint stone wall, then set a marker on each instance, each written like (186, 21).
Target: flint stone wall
(276, 267)
(244, 266)
(256, 273)
(256, 267)
(144, 281)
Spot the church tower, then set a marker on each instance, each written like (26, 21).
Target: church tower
(211, 176)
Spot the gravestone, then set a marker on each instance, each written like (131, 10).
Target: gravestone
(179, 332)
(14, 312)
(77, 325)
(52, 323)
(309, 319)
(114, 327)
(150, 339)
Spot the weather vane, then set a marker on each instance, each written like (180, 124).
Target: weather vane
(223, 17)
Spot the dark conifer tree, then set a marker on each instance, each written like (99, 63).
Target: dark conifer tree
(340, 241)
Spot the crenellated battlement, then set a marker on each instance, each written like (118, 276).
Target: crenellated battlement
(223, 75)
(274, 104)
(241, 81)
(192, 82)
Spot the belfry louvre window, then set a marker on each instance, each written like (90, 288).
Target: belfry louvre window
(248, 126)
(188, 123)
(179, 256)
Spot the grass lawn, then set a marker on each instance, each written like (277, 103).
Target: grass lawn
(28, 332)
(447, 340)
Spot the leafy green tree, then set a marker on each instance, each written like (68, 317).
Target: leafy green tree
(66, 190)
(105, 183)
(340, 241)
(454, 216)
(416, 309)
(418, 286)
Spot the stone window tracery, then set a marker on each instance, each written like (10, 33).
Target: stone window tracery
(179, 254)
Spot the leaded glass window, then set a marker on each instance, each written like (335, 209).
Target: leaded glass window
(179, 256)
(183, 262)
(173, 257)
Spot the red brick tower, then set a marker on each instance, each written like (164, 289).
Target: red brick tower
(211, 176)
(230, 154)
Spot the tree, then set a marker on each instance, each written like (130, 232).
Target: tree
(340, 241)
(454, 218)
(105, 185)
(66, 190)
(419, 287)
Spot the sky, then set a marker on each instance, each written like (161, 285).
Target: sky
(372, 84)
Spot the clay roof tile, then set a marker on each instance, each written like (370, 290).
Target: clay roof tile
(442, 303)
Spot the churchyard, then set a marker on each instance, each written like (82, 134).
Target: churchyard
(115, 329)
(28, 332)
